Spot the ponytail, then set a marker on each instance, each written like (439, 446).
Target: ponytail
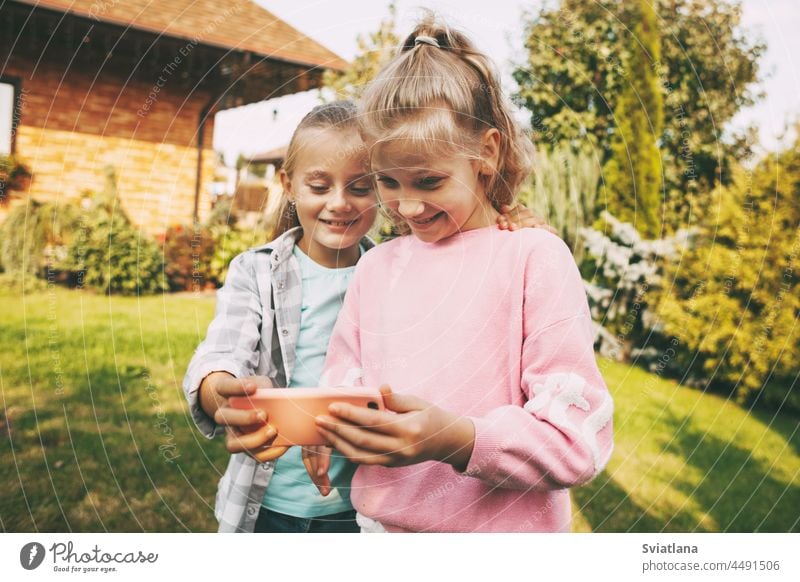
(440, 91)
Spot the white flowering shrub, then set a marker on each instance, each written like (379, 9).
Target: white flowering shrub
(622, 272)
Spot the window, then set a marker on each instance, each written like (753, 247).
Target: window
(9, 116)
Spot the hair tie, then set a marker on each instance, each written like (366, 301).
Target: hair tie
(426, 40)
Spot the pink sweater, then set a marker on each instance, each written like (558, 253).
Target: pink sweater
(493, 325)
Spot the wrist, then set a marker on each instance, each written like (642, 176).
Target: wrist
(209, 399)
(459, 440)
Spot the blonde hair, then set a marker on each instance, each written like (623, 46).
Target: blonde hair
(337, 114)
(446, 97)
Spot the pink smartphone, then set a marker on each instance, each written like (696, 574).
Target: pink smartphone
(292, 410)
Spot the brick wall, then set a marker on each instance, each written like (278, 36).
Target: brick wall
(75, 123)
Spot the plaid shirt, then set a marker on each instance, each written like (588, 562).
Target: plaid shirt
(254, 332)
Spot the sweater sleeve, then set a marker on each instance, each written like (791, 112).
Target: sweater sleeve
(343, 360)
(562, 436)
(231, 344)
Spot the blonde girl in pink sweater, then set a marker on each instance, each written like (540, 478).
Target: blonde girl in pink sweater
(481, 338)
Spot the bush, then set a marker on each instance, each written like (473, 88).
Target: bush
(109, 254)
(188, 254)
(17, 284)
(734, 303)
(222, 214)
(35, 236)
(562, 190)
(229, 242)
(623, 273)
(13, 175)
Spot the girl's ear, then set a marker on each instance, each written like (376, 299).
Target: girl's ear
(286, 182)
(490, 152)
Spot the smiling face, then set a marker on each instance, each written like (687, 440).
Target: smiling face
(333, 194)
(436, 195)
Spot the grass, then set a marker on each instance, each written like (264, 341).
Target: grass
(95, 433)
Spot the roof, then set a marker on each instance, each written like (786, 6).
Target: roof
(272, 156)
(239, 25)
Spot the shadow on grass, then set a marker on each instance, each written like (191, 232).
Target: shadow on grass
(785, 423)
(607, 507)
(118, 476)
(737, 490)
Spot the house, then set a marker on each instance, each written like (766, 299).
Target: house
(257, 180)
(273, 157)
(135, 85)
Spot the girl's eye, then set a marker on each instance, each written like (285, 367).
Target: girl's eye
(360, 189)
(387, 181)
(429, 182)
(318, 187)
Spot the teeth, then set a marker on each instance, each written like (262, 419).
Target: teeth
(427, 220)
(334, 223)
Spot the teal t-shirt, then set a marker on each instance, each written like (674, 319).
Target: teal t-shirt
(290, 491)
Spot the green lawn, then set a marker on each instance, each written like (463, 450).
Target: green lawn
(95, 434)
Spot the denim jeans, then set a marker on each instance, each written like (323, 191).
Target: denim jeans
(274, 522)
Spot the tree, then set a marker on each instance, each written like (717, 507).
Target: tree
(632, 185)
(733, 301)
(576, 66)
(374, 52)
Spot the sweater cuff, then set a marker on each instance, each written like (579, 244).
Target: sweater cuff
(205, 423)
(487, 448)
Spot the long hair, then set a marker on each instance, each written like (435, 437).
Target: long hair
(337, 114)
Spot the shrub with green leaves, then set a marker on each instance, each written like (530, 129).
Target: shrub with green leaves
(109, 254)
(35, 236)
(562, 190)
(734, 301)
(188, 253)
(229, 242)
(13, 175)
(622, 274)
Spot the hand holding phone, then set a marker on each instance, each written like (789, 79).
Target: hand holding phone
(246, 431)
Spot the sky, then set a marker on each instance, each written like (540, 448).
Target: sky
(496, 26)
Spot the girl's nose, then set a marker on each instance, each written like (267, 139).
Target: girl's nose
(409, 208)
(337, 201)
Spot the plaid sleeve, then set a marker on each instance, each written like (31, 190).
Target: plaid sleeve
(231, 344)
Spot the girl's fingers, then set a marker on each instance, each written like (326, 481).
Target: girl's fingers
(230, 386)
(268, 454)
(402, 402)
(239, 417)
(319, 459)
(352, 452)
(323, 464)
(376, 420)
(237, 441)
(311, 467)
(358, 437)
(319, 477)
